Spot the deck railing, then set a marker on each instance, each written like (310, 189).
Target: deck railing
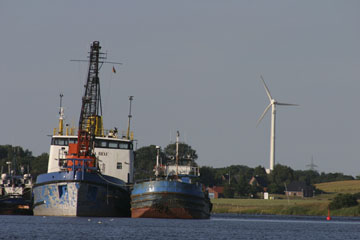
(78, 165)
(106, 133)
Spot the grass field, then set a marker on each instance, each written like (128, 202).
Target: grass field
(350, 186)
(276, 206)
(315, 206)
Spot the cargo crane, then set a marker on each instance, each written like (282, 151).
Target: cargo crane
(81, 154)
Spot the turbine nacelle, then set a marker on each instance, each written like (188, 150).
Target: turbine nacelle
(273, 102)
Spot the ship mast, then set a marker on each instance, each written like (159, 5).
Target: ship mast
(61, 117)
(158, 165)
(129, 118)
(90, 122)
(177, 152)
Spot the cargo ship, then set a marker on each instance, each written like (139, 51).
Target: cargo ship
(172, 194)
(15, 191)
(89, 172)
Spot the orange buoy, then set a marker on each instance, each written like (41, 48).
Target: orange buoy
(328, 218)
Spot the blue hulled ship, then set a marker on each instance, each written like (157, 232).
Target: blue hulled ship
(172, 194)
(80, 193)
(88, 173)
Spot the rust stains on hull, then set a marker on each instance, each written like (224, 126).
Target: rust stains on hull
(162, 213)
(170, 205)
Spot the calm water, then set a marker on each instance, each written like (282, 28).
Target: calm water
(218, 227)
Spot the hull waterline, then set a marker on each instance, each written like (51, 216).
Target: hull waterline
(88, 197)
(169, 199)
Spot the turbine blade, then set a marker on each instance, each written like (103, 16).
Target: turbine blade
(287, 104)
(262, 116)
(266, 88)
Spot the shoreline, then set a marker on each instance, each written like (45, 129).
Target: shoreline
(295, 207)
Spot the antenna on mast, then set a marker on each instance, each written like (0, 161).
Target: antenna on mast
(130, 116)
(100, 60)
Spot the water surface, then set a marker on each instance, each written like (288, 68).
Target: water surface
(220, 226)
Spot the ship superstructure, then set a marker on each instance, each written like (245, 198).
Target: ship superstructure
(113, 151)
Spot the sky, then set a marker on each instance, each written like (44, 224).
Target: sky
(192, 66)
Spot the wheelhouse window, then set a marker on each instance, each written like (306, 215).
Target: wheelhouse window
(113, 145)
(63, 141)
(119, 165)
(101, 144)
(124, 146)
(98, 143)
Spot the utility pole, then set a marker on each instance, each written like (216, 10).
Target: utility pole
(312, 165)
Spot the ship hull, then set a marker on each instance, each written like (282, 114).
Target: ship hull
(83, 195)
(15, 206)
(169, 199)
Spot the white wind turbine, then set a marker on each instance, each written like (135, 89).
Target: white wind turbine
(272, 104)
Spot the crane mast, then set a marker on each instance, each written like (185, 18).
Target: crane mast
(90, 122)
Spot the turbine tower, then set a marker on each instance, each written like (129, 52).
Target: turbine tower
(273, 104)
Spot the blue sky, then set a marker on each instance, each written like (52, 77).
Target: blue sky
(192, 66)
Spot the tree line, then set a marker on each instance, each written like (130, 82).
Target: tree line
(23, 159)
(235, 179)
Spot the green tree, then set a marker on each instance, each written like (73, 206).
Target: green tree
(39, 164)
(207, 176)
(21, 158)
(332, 177)
(254, 189)
(275, 188)
(185, 151)
(16, 154)
(242, 188)
(145, 160)
(229, 191)
(242, 170)
(280, 175)
(234, 172)
(260, 171)
(343, 201)
(308, 176)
